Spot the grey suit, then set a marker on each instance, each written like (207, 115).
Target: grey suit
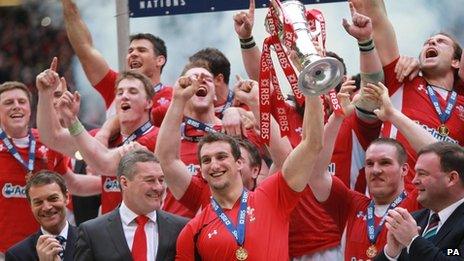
(103, 238)
(25, 250)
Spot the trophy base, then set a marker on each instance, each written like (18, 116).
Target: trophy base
(320, 76)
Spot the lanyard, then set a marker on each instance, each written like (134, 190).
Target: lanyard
(197, 125)
(444, 115)
(237, 231)
(372, 231)
(230, 97)
(12, 150)
(158, 87)
(137, 133)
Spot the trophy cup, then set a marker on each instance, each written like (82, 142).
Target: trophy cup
(318, 74)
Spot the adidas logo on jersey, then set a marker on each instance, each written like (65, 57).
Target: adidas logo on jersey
(111, 185)
(13, 191)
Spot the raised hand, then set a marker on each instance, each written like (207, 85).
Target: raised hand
(361, 27)
(246, 91)
(185, 87)
(344, 96)
(68, 107)
(243, 22)
(49, 79)
(407, 67)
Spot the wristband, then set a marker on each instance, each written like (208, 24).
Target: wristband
(76, 128)
(366, 46)
(247, 43)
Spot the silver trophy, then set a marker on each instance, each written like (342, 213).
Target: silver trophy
(318, 74)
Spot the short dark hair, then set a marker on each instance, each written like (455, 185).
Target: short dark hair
(45, 177)
(217, 137)
(12, 85)
(135, 75)
(159, 47)
(218, 62)
(400, 150)
(255, 157)
(451, 156)
(126, 166)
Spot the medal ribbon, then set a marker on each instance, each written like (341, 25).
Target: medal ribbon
(197, 125)
(372, 231)
(230, 97)
(12, 150)
(237, 231)
(158, 87)
(137, 133)
(444, 115)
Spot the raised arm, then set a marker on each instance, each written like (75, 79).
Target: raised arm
(169, 137)
(93, 63)
(246, 91)
(103, 160)
(251, 55)
(416, 135)
(51, 132)
(320, 180)
(384, 33)
(298, 166)
(82, 185)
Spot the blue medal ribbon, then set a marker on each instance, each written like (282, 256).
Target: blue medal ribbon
(197, 125)
(372, 231)
(237, 231)
(230, 98)
(158, 87)
(443, 115)
(12, 150)
(137, 133)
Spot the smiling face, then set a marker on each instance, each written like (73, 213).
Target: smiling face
(144, 192)
(431, 182)
(15, 112)
(384, 173)
(218, 166)
(132, 102)
(203, 100)
(142, 58)
(437, 55)
(48, 204)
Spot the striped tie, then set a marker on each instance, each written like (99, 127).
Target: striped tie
(432, 227)
(62, 241)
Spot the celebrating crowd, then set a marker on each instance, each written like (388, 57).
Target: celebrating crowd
(211, 168)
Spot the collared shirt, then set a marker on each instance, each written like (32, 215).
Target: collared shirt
(151, 230)
(63, 233)
(444, 214)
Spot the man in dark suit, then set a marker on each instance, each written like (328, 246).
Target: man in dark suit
(138, 229)
(435, 233)
(48, 196)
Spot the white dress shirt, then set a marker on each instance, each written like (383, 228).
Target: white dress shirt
(151, 230)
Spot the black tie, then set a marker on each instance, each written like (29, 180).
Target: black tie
(62, 241)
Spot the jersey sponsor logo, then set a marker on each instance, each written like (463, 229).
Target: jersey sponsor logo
(13, 191)
(437, 135)
(331, 168)
(193, 169)
(111, 185)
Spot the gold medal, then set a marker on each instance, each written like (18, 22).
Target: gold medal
(28, 176)
(443, 130)
(371, 251)
(241, 253)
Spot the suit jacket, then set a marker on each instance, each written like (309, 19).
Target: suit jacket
(25, 250)
(103, 238)
(450, 236)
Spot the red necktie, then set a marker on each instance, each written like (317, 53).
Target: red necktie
(139, 246)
